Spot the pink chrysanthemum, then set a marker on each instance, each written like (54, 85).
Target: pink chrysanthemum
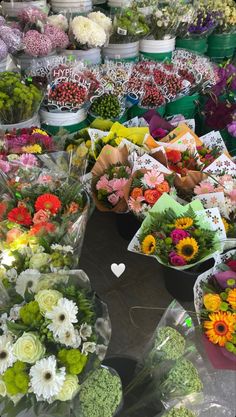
(57, 36)
(37, 44)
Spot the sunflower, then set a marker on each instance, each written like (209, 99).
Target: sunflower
(232, 298)
(187, 248)
(48, 202)
(183, 223)
(220, 327)
(148, 245)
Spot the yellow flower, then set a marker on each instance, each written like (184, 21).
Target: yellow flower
(232, 298)
(220, 327)
(187, 248)
(183, 223)
(226, 225)
(212, 302)
(40, 131)
(69, 388)
(70, 147)
(47, 299)
(88, 144)
(148, 245)
(32, 149)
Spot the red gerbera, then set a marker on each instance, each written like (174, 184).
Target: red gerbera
(20, 215)
(42, 228)
(48, 202)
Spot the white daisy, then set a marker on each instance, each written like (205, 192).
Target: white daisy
(88, 347)
(70, 337)
(85, 331)
(45, 379)
(27, 280)
(62, 315)
(7, 358)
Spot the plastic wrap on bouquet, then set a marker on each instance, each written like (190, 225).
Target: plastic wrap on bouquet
(211, 407)
(67, 330)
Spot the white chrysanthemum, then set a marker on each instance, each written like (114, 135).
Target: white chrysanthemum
(27, 280)
(45, 379)
(3, 323)
(62, 315)
(69, 337)
(87, 32)
(102, 20)
(85, 331)
(59, 21)
(7, 358)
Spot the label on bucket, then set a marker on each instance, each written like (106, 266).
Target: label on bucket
(121, 31)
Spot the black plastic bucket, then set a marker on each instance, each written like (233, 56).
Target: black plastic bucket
(127, 225)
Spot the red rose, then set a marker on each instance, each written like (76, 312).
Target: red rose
(151, 196)
(173, 155)
(231, 264)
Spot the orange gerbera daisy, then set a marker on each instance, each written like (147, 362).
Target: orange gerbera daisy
(48, 202)
(220, 327)
(232, 298)
(20, 215)
(42, 228)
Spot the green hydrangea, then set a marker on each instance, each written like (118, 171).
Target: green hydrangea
(100, 394)
(73, 360)
(180, 412)
(170, 343)
(182, 379)
(16, 379)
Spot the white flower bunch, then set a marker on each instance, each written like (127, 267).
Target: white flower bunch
(59, 21)
(86, 32)
(102, 20)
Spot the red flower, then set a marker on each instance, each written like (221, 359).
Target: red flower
(42, 228)
(151, 196)
(20, 215)
(232, 264)
(173, 155)
(3, 208)
(48, 202)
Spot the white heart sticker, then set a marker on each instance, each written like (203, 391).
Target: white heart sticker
(118, 269)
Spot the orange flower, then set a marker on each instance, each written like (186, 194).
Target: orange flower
(40, 217)
(163, 187)
(136, 192)
(48, 202)
(232, 298)
(73, 208)
(212, 302)
(20, 215)
(219, 327)
(42, 228)
(151, 196)
(13, 234)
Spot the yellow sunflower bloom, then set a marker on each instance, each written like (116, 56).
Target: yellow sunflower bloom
(187, 248)
(232, 298)
(183, 223)
(40, 131)
(220, 327)
(148, 245)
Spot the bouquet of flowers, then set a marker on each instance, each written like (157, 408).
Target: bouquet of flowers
(111, 173)
(208, 155)
(214, 298)
(51, 347)
(129, 26)
(178, 236)
(86, 33)
(200, 23)
(26, 141)
(10, 39)
(165, 22)
(18, 100)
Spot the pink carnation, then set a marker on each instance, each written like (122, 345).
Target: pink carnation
(37, 44)
(178, 234)
(113, 199)
(204, 188)
(28, 160)
(176, 259)
(57, 36)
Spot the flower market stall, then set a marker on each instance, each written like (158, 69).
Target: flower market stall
(117, 139)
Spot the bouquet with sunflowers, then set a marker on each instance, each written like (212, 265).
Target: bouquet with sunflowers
(52, 342)
(215, 304)
(179, 236)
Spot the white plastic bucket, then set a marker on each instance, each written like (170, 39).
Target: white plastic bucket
(74, 6)
(121, 50)
(25, 60)
(91, 56)
(154, 46)
(62, 118)
(27, 123)
(14, 8)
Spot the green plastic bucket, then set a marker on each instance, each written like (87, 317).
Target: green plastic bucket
(53, 130)
(193, 44)
(151, 56)
(184, 105)
(221, 46)
(229, 141)
(140, 111)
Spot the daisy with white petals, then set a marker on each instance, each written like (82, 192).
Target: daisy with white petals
(27, 280)
(62, 316)
(70, 337)
(45, 379)
(7, 358)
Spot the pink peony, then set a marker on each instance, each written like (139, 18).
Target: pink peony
(176, 260)
(28, 160)
(204, 188)
(5, 166)
(178, 234)
(104, 184)
(153, 178)
(113, 199)
(40, 217)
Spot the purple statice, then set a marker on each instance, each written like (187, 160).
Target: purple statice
(2, 21)
(12, 38)
(57, 36)
(3, 50)
(37, 44)
(204, 23)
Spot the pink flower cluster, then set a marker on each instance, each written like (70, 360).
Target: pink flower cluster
(37, 44)
(176, 259)
(113, 187)
(32, 15)
(57, 36)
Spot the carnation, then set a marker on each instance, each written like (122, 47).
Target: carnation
(58, 21)
(102, 20)
(57, 36)
(87, 32)
(37, 44)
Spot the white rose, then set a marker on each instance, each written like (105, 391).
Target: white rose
(47, 299)
(38, 260)
(28, 348)
(69, 388)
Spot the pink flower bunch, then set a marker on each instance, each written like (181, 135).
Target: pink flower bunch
(57, 36)
(14, 141)
(32, 15)
(28, 160)
(176, 259)
(110, 186)
(178, 234)
(37, 44)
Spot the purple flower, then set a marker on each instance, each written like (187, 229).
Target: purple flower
(57, 36)
(3, 50)
(2, 21)
(12, 38)
(176, 259)
(223, 278)
(4, 166)
(178, 234)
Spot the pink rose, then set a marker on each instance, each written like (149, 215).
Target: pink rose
(113, 199)
(40, 217)
(176, 259)
(178, 234)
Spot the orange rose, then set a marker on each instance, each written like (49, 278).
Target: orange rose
(163, 187)
(13, 234)
(212, 302)
(136, 192)
(151, 196)
(40, 217)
